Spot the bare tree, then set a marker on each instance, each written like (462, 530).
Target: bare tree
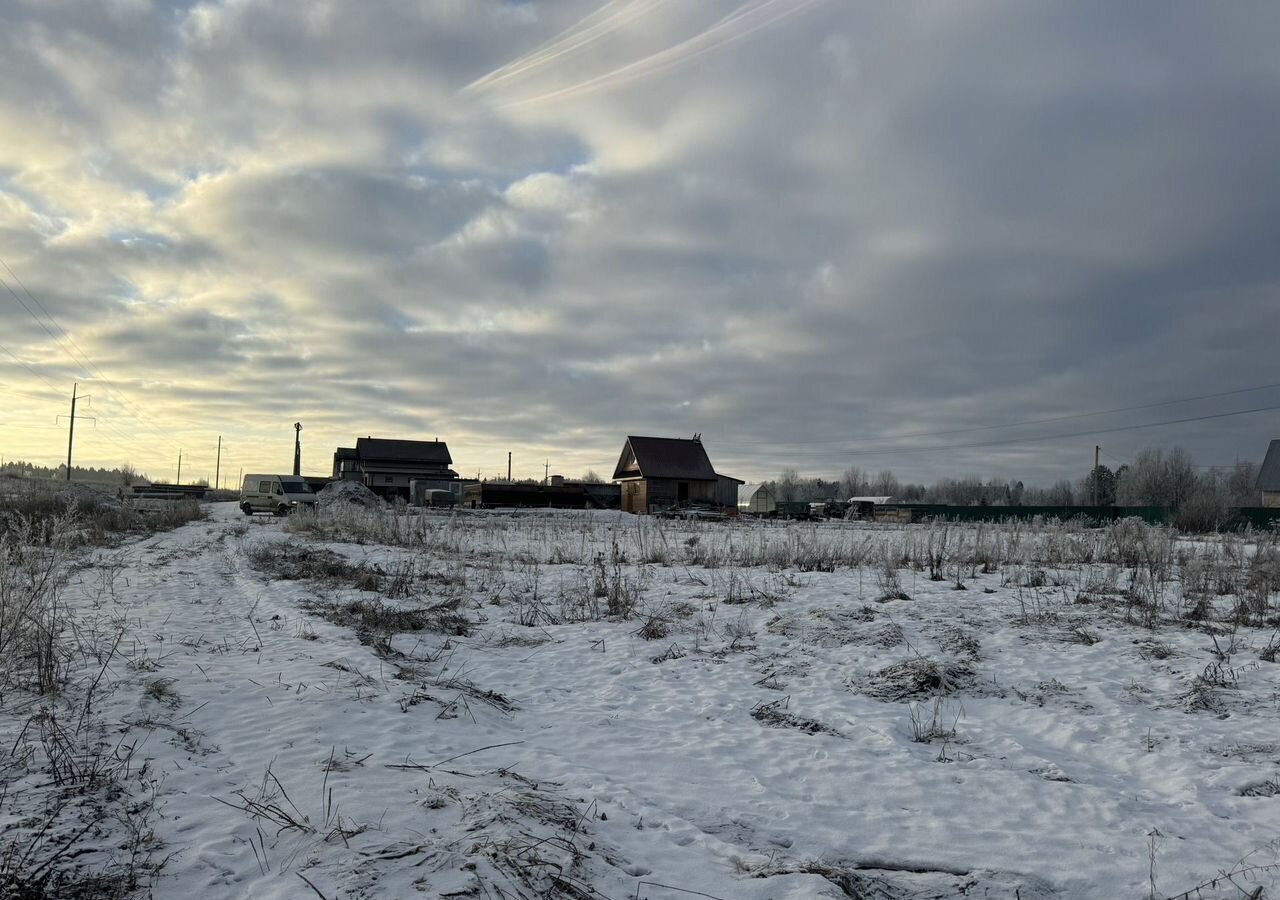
(1061, 494)
(885, 485)
(852, 482)
(788, 485)
(1180, 475)
(1143, 483)
(1241, 486)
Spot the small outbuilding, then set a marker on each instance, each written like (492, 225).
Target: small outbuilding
(659, 473)
(757, 499)
(864, 507)
(1269, 476)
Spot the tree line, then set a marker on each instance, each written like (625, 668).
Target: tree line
(124, 474)
(1156, 477)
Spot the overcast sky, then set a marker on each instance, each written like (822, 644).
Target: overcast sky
(819, 233)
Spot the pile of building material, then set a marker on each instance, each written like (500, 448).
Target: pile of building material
(88, 498)
(347, 493)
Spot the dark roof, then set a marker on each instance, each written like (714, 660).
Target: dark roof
(657, 457)
(370, 448)
(1269, 474)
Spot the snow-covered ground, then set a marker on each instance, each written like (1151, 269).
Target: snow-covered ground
(456, 713)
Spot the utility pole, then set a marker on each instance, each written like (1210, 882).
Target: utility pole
(546, 473)
(297, 448)
(217, 467)
(179, 481)
(71, 432)
(508, 465)
(1096, 450)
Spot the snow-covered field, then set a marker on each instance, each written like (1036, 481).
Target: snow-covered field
(594, 705)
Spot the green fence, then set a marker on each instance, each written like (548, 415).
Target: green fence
(1260, 517)
(1257, 517)
(1092, 515)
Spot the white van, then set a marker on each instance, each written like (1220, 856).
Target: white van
(276, 494)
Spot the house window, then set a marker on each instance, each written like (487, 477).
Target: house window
(388, 479)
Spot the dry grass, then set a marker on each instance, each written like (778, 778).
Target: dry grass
(774, 714)
(99, 521)
(374, 618)
(78, 828)
(917, 678)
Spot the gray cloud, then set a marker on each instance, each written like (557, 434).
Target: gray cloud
(863, 222)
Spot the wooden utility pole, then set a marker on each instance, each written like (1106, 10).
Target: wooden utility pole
(546, 473)
(179, 481)
(1096, 450)
(217, 467)
(71, 432)
(508, 465)
(297, 449)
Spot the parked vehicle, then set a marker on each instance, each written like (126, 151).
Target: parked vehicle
(276, 494)
(437, 498)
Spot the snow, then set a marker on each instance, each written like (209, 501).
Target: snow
(760, 745)
(337, 493)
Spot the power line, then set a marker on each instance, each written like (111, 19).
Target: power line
(101, 420)
(32, 314)
(1237, 463)
(31, 370)
(43, 308)
(59, 394)
(1074, 434)
(976, 428)
(83, 359)
(131, 450)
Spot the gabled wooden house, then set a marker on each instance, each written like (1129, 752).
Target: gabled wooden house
(390, 467)
(660, 473)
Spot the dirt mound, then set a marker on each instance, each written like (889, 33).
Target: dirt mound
(88, 498)
(347, 493)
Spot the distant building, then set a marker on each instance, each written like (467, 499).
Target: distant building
(392, 468)
(865, 507)
(1269, 476)
(660, 473)
(317, 483)
(564, 495)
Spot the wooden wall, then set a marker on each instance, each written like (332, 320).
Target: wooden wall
(651, 494)
(635, 497)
